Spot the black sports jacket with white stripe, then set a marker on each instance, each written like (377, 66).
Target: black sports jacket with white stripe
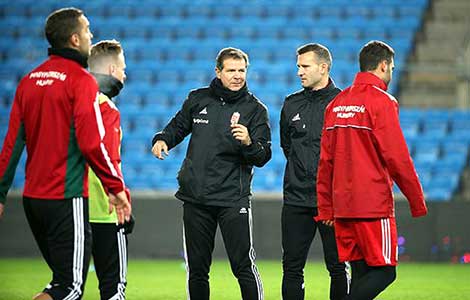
(217, 169)
(301, 125)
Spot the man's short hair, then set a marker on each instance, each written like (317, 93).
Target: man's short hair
(373, 53)
(61, 24)
(104, 49)
(323, 54)
(230, 52)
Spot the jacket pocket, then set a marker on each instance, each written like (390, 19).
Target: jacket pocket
(298, 129)
(186, 179)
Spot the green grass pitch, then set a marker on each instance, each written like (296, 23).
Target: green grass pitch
(166, 280)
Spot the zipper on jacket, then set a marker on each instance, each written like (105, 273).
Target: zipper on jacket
(241, 181)
(311, 133)
(214, 132)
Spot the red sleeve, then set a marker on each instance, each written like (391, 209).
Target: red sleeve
(325, 176)
(90, 131)
(12, 148)
(393, 148)
(112, 137)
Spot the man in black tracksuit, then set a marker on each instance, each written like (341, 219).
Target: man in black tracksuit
(229, 135)
(301, 125)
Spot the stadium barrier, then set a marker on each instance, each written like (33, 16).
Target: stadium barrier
(441, 236)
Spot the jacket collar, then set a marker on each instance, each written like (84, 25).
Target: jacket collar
(321, 92)
(109, 85)
(225, 94)
(71, 54)
(369, 78)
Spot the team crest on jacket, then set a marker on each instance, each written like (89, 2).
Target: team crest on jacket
(235, 118)
(296, 117)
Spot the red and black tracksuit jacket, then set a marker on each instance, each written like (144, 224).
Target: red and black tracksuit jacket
(56, 114)
(363, 151)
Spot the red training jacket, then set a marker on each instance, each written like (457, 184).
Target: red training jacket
(363, 151)
(56, 114)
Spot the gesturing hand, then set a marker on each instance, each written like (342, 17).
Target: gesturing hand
(240, 133)
(157, 149)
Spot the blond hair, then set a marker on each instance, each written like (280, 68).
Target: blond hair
(104, 49)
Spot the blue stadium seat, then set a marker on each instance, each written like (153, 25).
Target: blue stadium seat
(161, 31)
(410, 11)
(304, 10)
(331, 11)
(252, 10)
(93, 9)
(410, 128)
(453, 161)
(460, 124)
(109, 29)
(171, 11)
(450, 147)
(269, 98)
(16, 9)
(198, 75)
(10, 27)
(293, 32)
(197, 10)
(435, 128)
(384, 10)
(278, 11)
(261, 53)
(158, 97)
(140, 28)
(438, 194)
(363, 11)
(151, 52)
(120, 9)
(145, 9)
(224, 10)
(426, 152)
(140, 74)
(348, 32)
(374, 33)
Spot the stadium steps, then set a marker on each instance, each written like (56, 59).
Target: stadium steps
(428, 96)
(452, 10)
(431, 75)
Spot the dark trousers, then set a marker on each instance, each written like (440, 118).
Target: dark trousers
(200, 225)
(63, 234)
(110, 259)
(368, 282)
(298, 231)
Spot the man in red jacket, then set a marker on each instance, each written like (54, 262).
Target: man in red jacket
(362, 152)
(56, 114)
(107, 64)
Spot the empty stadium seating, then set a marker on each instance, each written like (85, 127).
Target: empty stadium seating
(170, 48)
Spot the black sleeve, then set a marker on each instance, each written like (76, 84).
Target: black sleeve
(178, 127)
(284, 132)
(259, 152)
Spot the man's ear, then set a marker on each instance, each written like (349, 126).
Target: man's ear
(111, 69)
(383, 66)
(324, 68)
(217, 72)
(74, 40)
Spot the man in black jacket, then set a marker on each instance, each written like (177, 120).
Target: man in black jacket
(229, 135)
(301, 125)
